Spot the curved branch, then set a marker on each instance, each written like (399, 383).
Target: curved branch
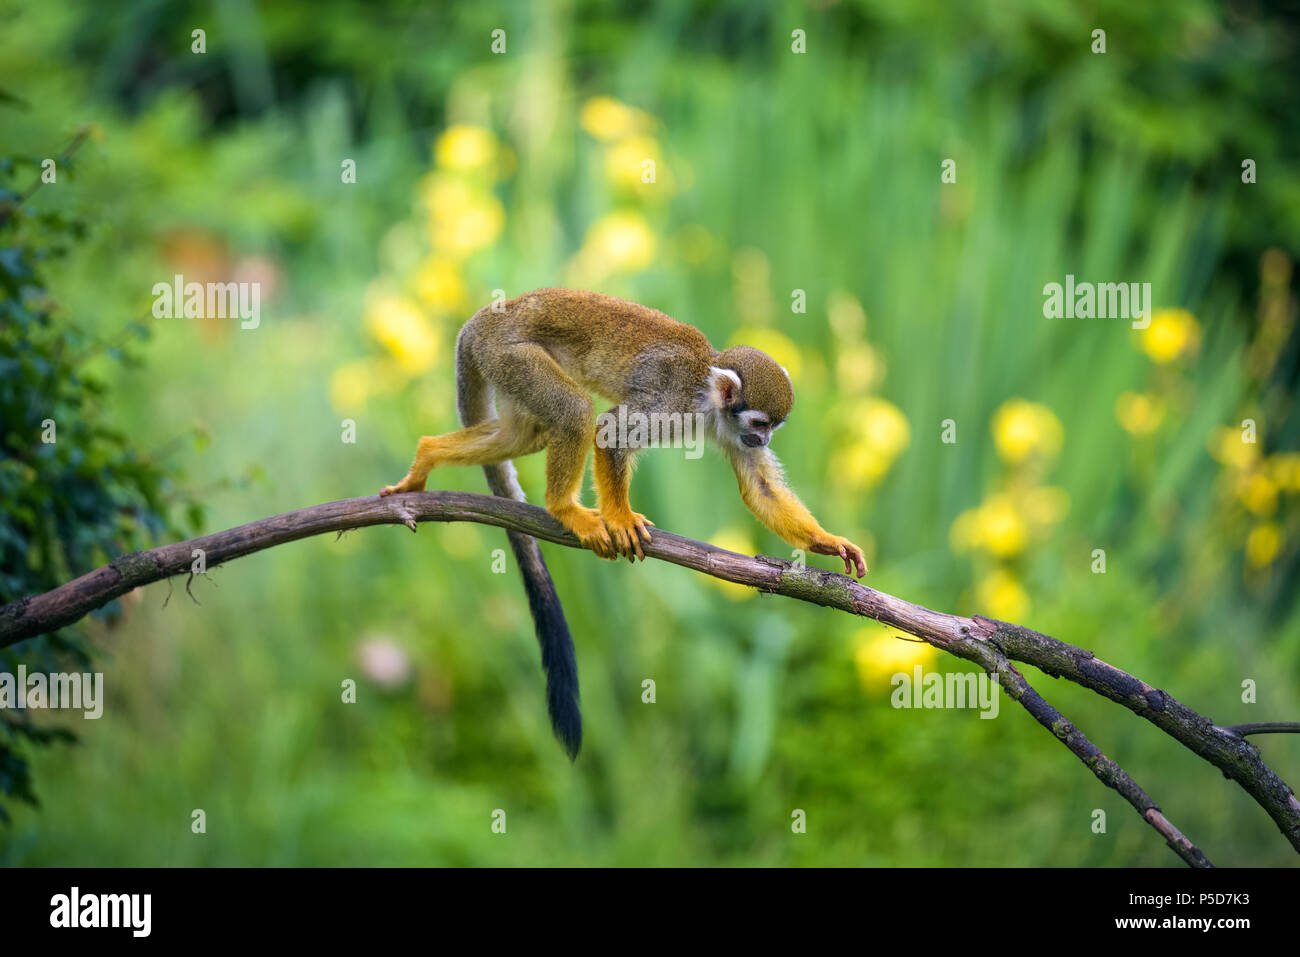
(1107, 771)
(987, 643)
(1228, 751)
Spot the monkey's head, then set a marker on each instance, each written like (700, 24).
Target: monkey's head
(752, 393)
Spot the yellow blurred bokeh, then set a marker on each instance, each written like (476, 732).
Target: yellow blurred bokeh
(1139, 414)
(999, 594)
(622, 241)
(440, 286)
(1230, 448)
(463, 218)
(738, 541)
(995, 526)
(608, 119)
(879, 653)
(398, 324)
(878, 434)
(466, 149)
(1172, 333)
(1258, 492)
(1263, 544)
(1024, 430)
(638, 162)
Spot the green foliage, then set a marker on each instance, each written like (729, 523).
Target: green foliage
(74, 491)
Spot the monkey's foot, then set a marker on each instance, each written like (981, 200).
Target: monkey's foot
(845, 550)
(407, 484)
(628, 530)
(587, 525)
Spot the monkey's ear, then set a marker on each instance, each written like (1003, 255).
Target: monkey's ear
(724, 385)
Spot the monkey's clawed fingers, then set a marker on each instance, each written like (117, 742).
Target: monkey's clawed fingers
(853, 559)
(590, 529)
(628, 531)
(847, 551)
(600, 542)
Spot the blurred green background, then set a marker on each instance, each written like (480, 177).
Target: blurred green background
(774, 171)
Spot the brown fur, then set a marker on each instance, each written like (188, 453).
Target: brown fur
(542, 353)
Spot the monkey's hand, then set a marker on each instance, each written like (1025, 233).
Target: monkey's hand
(845, 549)
(586, 523)
(628, 529)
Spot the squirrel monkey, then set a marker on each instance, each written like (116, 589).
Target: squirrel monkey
(536, 359)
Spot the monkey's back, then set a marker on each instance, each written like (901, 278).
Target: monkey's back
(611, 346)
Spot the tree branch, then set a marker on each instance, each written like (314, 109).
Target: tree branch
(990, 644)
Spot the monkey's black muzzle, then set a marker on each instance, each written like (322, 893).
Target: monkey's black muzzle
(752, 440)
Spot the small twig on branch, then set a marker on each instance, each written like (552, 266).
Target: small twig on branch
(990, 644)
(1263, 727)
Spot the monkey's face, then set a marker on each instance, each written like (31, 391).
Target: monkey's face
(753, 394)
(754, 427)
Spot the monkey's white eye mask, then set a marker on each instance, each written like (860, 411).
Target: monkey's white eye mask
(755, 428)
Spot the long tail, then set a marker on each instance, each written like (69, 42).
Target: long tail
(474, 401)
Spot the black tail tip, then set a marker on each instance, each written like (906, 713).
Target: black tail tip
(571, 748)
(568, 731)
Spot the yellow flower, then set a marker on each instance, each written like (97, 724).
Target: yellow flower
(465, 219)
(858, 464)
(1002, 524)
(733, 540)
(621, 241)
(1284, 467)
(1263, 544)
(879, 434)
(1170, 334)
(1000, 528)
(884, 426)
(476, 227)
(879, 654)
(1022, 429)
(1138, 413)
(607, 119)
(1258, 493)
(1000, 595)
(1229, 447)
(439, 286)
(402, 329)
(625, 163)
(466, 148)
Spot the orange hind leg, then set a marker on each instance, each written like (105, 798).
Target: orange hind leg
(487, 443)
